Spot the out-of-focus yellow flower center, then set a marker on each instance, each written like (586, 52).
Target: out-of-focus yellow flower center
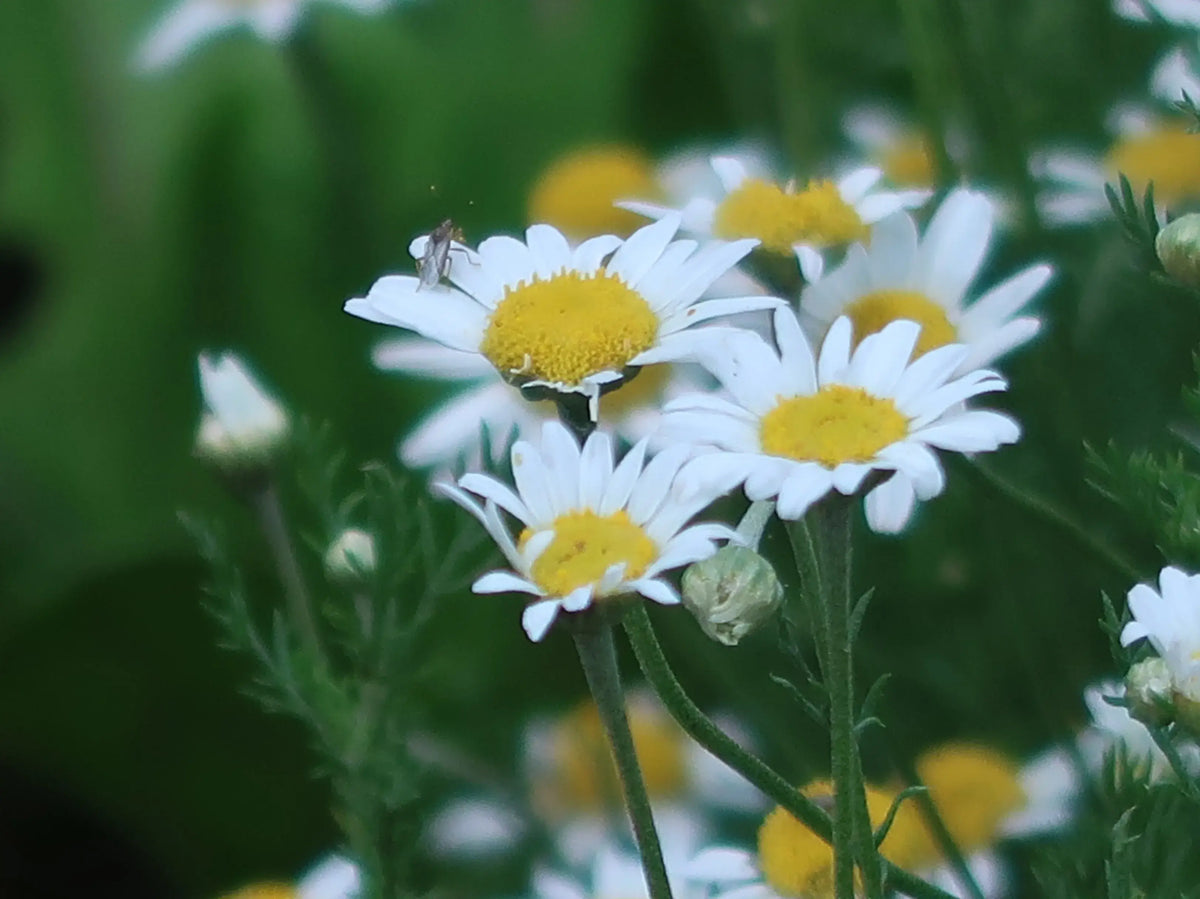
(1168, 156)
(644, 390)
(781, 218)
(908, 162)
(974, 789)
(585, 546)
(263, 891)
(587, 774)
(874, 311)
(568, 327)
(834, 425)
(797, 863)
(577, 192)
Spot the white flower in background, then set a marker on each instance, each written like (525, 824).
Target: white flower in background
(1169, 619)
(546, 314)
(790, 861)
(1148, 146)
(1184, 13)
(243, 426)
(189, 23)
(453, 430)
(786, 219)
(1113, 727)
(335, 877)
(591, 531)
(616, 873)
(801, 426)
(567, 770)
(984, 797)
(350, 559)
(927, 279)
(899, 148)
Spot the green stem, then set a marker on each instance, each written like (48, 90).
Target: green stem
(794, 96)
(941, 833)
(823, 564)
(270, 516)
(921, 33)
(598, 655)
(1023, 498)
(704, 731)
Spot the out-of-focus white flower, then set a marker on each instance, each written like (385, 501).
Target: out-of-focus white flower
(615, 873)
(453, 431)
(1184, 13)
(927, 279)
(189, 23)
(900, 149)
(334, 877)
(1169, 619)
(351, 557)
(1147, 147)
(786, 219)
(591, 531)
(800, 426)
(572, 320)
(242, 426)
(568, 770)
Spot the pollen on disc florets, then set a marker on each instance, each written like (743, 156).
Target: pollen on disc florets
(835, 425)
(876, 310)
(577, 193)
(782, 218)
(585, 546)
(584, 761)
(974, 788)
(567, 327)
(1168, 156)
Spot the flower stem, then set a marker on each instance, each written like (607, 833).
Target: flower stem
(598, 655)
(270, 516)
(704, 731)
(823, 552)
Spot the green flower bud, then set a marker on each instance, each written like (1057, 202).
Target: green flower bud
(1178, 248)
(351, 558)
(731, 593)
(1148, 691)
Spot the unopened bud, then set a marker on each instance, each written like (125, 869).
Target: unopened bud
(1178, 248)
(243, 427)
(351, 558)
(1148, 692)
(731, 593)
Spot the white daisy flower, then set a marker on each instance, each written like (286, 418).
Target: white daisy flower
(242, 424)
(1169, 619)
(616, 873)
(1148, 147)
(567, 770)
(801, 426)
(335, 877)
(591, 531)
(927, 280)
(1184, 13)
(189, 23)
(784, 219)
(452, 431)
(900, 149)
(790, 861)
(545, 314)
(983, 797)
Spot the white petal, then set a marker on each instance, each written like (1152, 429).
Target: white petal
(474, 827)
(854, 186)
(641, 250)
(889, 506)
(730, 170)
(595, 470)
(537, 618)
(550, 250)
(659, 591)
(504, 582)
(590, 253)
(722, 864)
(180, 29)
(623, 479)
(835, 352)
(812, 263)
(804, 485)
(508, 258)
(975, 431)
(501, 494)
(426, 359)
(440, 313)
(954, 245)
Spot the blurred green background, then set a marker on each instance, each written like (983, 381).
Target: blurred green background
(144, 218)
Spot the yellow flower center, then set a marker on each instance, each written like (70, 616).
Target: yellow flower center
(974, 789)
(577, 192)
(587, 775)
(264, 891)
(874, 311)
(644, 390)
(781, 218)
(798, 863)
(1168, 156)
(585, 546)
(834, 425)
(908, 162)
(568, 327)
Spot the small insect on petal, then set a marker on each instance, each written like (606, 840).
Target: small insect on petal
(434, 263)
